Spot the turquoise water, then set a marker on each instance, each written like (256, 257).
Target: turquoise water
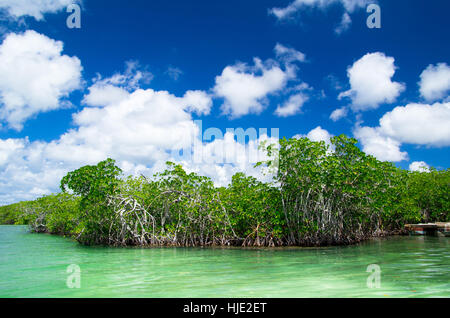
(35, 265)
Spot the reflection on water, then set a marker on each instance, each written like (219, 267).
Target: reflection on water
(34, 265)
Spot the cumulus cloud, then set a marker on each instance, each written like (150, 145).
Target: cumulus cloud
(415, 124)
(382, 147)
(292, 106)
(24, 175)
(145, 124)
(318, 134)
(339, 113)
(101, 94)
(34, 76)
(34, 8)
(141, 145)
(371, 82)
(245, 88)
(132, 78)
(141, 130)
(435, 82)
(224, 157)
(105, 91)
(198, 102)
(419, 166)
(9, 147)
(419, 124)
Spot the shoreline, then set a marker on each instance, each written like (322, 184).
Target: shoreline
(383, 235)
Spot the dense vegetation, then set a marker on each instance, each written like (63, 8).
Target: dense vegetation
(319, 196)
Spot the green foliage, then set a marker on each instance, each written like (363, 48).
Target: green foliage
(342, 195)
(12, 214)
(55, 214)
(320, 195)
(429, 193)
(93, 183)
(255, 210)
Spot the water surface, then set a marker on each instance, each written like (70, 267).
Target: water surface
(35, 265)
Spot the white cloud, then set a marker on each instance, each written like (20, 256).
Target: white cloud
(334, 82)
(416, 124)
(297, 5)
(224, 157)
(349, 6)
(140, 144)
(174, 72)
(198, 102)
(288, 55)
(371, 82)
(339, 113)
(145, 125)
(131, 79)
(419, 124)
(419, 166)
(301, 87)
(105, 91)
(33, 8)
(9, 147)
(378, 145)
(142, 130)
(318, 134)
(435, 82)
(292, 106)
(245, 88)
(25, 175)
(104, 94)
(345, 24)
(34, 76)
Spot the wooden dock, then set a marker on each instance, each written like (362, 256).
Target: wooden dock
(434, 229)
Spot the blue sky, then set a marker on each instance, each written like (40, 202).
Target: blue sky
(208, 48)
